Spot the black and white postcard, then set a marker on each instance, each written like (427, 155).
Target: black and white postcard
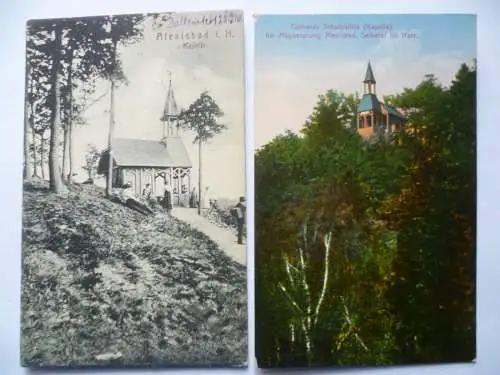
(134, 233)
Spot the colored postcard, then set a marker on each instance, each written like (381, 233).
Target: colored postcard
(134, 243)
(365, 189)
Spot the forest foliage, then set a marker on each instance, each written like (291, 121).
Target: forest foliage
(365, 252)
(65, 59)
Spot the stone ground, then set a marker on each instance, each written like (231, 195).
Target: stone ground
(225, 238)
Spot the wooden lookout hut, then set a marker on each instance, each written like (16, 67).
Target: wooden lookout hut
(376, 118)
(156, 162)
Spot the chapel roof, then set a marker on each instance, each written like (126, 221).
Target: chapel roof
(369, 102)
(169, 152)
(393, 111)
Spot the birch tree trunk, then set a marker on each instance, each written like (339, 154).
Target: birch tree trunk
(308, 310)
(56, 183)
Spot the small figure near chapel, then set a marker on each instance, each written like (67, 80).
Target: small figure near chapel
(193, 199)
(147, 192)
(240, 212)
(167, 198)
(207, 198)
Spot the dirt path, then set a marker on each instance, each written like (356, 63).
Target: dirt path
(225, 238)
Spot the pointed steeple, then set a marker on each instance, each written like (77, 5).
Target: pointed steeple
(170, 112)
(369, 82)
(369, 77)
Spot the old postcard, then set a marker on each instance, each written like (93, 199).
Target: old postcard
(365, 189)
(134, 240)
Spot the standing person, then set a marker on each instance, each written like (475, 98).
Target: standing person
(240, 210)
(207, 198)
(146, 192)
(191, 199)
(194, 199)
(167, 198)
(183, 202)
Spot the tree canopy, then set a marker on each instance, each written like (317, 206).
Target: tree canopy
(400, 218)
(65, 58)
(202, 118)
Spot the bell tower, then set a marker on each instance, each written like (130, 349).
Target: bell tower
(170, 114)
(369, 82)
(369, 116)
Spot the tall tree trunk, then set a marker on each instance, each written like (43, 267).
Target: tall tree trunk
(70, 117)
(70, 152)
(65, 152)
(33, 143)
(28, 90)
(64, 123)
(33, 132)
(56, 183)
(109, 177)
(200, 199)
(29, 167)
(42, 156)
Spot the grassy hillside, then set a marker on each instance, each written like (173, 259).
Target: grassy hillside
(105, 285)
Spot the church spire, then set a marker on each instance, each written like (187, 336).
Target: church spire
(369, 81)
(369, 77)
(170, 112)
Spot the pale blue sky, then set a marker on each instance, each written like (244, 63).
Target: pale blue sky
(437, 33)
(291, 73)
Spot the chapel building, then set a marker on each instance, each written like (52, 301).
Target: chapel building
(375, 118)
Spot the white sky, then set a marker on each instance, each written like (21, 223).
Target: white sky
(218, 68)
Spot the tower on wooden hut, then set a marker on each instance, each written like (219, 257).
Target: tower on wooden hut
(160, 162)
(374, 117)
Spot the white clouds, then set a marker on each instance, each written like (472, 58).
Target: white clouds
(286, 90)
